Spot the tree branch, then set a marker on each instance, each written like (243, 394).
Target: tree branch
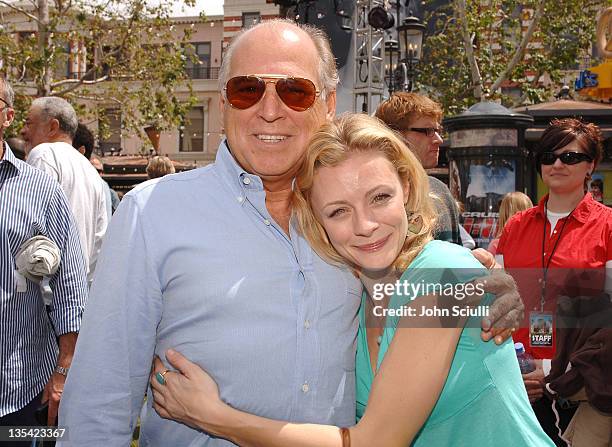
(520, 51)
(525, 95)
(461, 8)
(80, 81)
(20, 10)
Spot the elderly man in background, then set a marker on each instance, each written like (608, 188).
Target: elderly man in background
(209, 262)
(34, 213)
(48, 132)
(83, 142)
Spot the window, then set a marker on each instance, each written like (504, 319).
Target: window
(112, 119)
(191, 135)
(200, 69)
(250, 18)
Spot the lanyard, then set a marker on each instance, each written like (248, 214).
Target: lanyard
(546, 265)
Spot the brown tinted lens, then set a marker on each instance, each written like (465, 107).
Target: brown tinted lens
(299, 94)
(243, 92)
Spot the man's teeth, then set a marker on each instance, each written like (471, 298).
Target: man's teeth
(271, 138)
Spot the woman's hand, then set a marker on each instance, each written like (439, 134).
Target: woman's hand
(189, 394)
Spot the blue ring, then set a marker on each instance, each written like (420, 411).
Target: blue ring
(160, 378)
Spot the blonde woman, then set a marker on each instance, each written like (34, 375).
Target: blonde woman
(159, 166)
(361, 199)
(512, 203)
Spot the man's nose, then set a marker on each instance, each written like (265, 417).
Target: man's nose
(271, 106)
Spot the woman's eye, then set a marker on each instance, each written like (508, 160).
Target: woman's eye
(337, 212)
(382, 197)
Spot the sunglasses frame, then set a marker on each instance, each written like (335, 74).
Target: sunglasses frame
(428, 131)
(580, 157)
(6, 104)
(272, 79)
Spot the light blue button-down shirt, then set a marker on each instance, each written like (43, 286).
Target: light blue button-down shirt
(195, 262)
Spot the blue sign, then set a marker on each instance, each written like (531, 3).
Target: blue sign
(585, 79)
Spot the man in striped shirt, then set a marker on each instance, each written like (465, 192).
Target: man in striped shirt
(32, 368)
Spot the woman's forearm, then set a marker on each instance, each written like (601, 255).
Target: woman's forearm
(248, 430)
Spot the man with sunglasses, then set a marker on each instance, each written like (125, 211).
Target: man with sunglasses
(417, 118)
(208, 263)
(32, 365)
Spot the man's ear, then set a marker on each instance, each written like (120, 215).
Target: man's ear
(330, 102)
(54, 127)
(9, 117)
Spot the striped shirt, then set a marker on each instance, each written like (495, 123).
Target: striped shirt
(31, 204)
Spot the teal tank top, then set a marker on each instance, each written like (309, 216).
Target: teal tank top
(484, 401)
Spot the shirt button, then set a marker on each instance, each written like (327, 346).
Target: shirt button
(266, 221)
(240, 199)
(307, 324)
(305, 388)
(246, 180)
(555, 232)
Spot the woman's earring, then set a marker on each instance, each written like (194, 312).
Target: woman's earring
(589, 176)
(415, 223)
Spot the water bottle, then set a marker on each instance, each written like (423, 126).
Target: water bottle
(526, 363)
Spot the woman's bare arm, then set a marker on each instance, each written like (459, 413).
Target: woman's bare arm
(404, 392)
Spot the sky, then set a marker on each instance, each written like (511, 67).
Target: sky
(211, 7)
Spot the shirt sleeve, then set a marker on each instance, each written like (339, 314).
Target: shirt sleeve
(101, 225)
(109, 374)
(68, 283)
(505, 236)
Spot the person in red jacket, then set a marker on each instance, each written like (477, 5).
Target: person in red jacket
(560, 250)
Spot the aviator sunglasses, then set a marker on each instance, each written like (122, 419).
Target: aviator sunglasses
(298, 94)
(567, 158)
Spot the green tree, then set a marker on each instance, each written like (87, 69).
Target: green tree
(479, 45)
(99, 54)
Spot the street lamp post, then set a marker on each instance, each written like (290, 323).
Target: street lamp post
(410, 34)
(393, 55)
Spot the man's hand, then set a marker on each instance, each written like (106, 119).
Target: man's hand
(506, 312)
(534, 382)
(55, 386)
(487, 259)
(53, 393)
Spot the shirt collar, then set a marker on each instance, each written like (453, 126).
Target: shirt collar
(234, 172)
(10, 158)
(581, 212)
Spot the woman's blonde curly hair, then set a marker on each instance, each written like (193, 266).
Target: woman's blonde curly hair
(335, 142)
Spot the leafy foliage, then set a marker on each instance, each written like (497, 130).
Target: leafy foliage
(562, 36)
(131, 57)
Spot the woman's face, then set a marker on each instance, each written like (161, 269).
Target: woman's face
(562, 178)
(360, 203)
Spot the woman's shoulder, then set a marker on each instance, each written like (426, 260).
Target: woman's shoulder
(443, 254)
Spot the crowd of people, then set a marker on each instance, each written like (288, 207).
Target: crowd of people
(242, 298)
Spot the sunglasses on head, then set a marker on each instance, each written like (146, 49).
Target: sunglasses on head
(567, 158)
(298, 94)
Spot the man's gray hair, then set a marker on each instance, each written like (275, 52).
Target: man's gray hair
(53, 107)
(6, 89)
(328, 73)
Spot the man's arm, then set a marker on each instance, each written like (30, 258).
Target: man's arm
(109, 373)
(69, 294)
(55, 386)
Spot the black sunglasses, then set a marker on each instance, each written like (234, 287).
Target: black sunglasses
(429, 131)
(567, 158)
(6, 104)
